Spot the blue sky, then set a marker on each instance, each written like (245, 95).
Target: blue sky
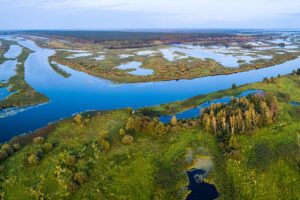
(134, 14)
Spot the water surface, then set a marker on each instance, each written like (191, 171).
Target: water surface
(82, 92)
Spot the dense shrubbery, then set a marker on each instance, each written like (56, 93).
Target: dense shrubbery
(7, 150)
(296, 72)
(146, 125)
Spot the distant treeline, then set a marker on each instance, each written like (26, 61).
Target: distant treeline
(123, 39)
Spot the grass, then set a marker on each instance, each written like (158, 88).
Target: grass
(154, 167)
(24, 94)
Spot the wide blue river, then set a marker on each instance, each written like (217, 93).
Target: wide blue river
(82, 92)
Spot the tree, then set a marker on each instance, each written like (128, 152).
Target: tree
(7, 147)
(103, 134)
(16, 146)
(78, 119)
(174, 120)
(234, 86)
(39, 140)
(33, 160)
(122, 132)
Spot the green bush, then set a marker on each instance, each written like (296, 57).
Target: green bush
(127, 139)
(16, 146)
(39, 140)
(81, 178)
(33, 160)
(47, 147)
(3, 155)
(8, 149)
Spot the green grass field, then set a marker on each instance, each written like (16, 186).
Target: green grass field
(86, 157)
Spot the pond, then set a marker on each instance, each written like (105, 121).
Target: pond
(13, 52)
(294, 103)
(7, 70)
(194, 112)
(79, 55)
(134, 68)
(200, 190)
(82, 92)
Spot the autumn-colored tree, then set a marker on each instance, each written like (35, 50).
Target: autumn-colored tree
(174, 120)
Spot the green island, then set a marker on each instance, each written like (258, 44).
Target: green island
(252, 150)
(4, 47)
(59, 70)
(163, 69)
(22, 93)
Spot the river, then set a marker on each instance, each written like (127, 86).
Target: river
(83, 92)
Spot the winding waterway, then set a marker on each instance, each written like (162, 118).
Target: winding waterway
(82, 92)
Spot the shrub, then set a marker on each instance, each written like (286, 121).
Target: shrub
(7, 147)
(130, 110)
(39, 140)
(174, 120)
(81, 178)
(47, 147)
(3, 155)
(16, 146)
(70, 160)
(127, 139)
(78, 119)
(33, 160)
(104, 144)
(103, 134)
(122, 132)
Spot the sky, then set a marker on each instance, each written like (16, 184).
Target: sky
(147, 14)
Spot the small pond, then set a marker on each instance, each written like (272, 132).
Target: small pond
(136, 69)
(294, 103)
(200, 190)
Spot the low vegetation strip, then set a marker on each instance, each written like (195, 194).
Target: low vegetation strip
(24, 94)
(59, 70)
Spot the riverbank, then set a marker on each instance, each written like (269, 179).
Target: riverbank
(87, 156)
(22, 93)
(4, 47)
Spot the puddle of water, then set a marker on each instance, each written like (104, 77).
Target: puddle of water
(125, 56)
(79, 55)
(145, 53)
(294, 103)
(171, 55)
(138, 71)
(99, 58)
